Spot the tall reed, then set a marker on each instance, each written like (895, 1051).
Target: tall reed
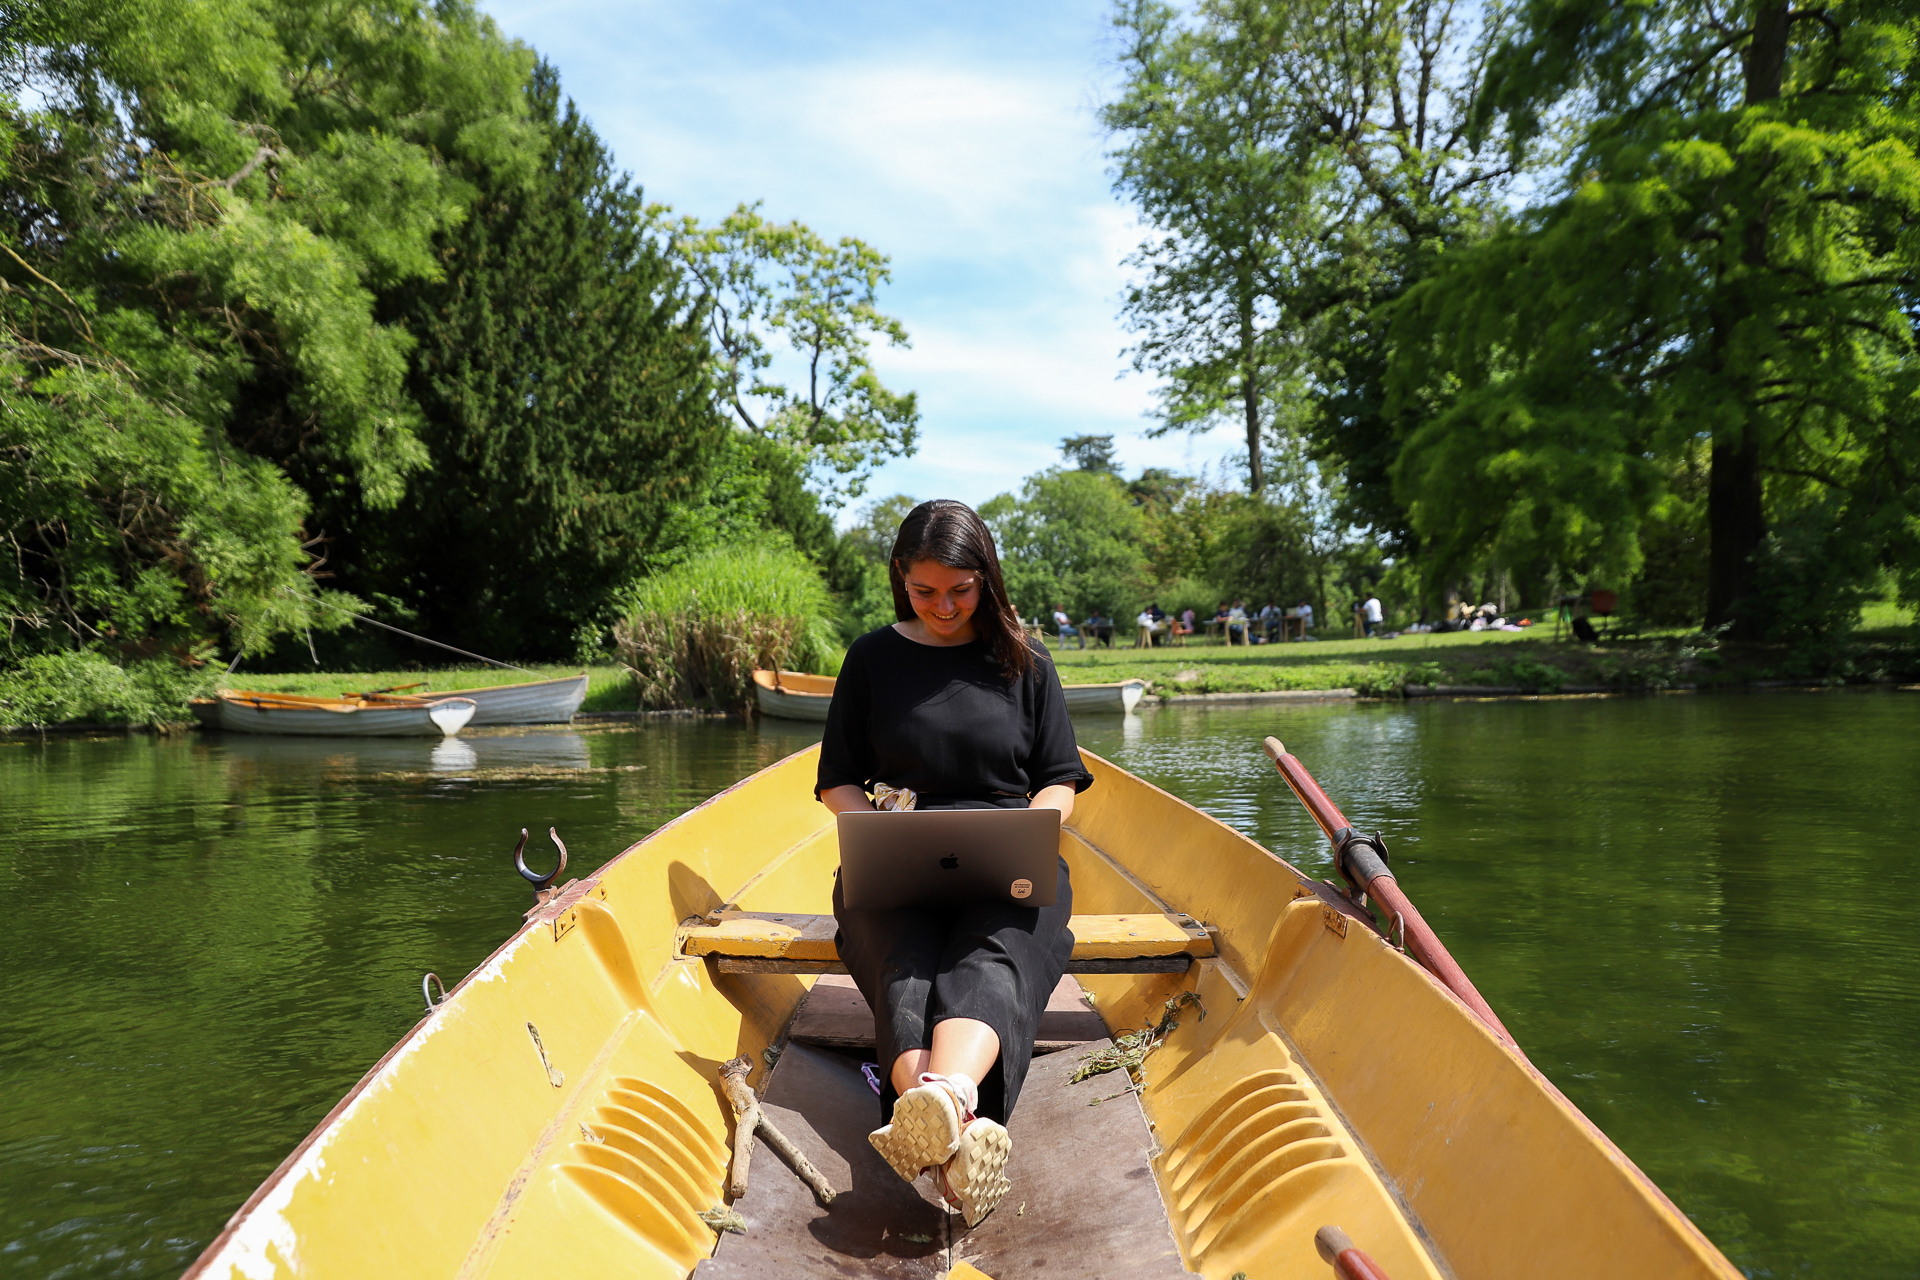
(694, 633)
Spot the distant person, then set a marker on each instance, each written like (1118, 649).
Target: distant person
(1144, 640)
(1159, 616)
(1268, 618)
(1375, 615)
(1063, 626)
(1305, 615)
(1100, 627)
(1237, 621)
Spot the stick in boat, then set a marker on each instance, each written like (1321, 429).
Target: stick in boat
(1369, 872)
(749, 1119)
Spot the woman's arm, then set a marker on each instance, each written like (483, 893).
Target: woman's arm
(1058, 796)
(843, 799)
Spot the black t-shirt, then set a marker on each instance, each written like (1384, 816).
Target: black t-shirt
(942, 721)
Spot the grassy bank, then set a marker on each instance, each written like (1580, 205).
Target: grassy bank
(1530, 659)
(609, 688)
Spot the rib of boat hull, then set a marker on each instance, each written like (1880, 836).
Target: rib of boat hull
(559, 1115)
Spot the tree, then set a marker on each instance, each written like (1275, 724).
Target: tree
(760, 279)
(1090, 453)
(561, 370)
(1071, 538)
(199, 204)
(1296, 159)
(1729, 264)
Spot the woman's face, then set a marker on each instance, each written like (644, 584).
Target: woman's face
(944, 599)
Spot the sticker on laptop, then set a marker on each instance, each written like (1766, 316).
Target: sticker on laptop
(1022, 888)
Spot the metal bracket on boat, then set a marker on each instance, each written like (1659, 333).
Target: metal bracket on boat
(1361, 858)
(427, 984)
(1398, 922)
(542, 885)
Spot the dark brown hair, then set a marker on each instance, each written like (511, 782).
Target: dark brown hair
(952, 534)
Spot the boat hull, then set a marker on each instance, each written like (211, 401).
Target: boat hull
(1118, 698)
(561, 1105)
(442, 717)
(787, 701)
(535, 702)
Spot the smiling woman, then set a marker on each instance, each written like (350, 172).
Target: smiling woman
(951, 708)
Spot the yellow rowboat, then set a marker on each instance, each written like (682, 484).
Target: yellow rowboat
(561, 1112)
(792, 695)
(349, 716)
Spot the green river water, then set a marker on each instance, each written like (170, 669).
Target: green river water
(1695, 913)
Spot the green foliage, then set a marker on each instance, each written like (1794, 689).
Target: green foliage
(1728, 264)
(202, 201)
(1296, 160)
(866, 593)
(760, 279)
(561, 373)
(692, 635)
(1073, 539)
(86, 686)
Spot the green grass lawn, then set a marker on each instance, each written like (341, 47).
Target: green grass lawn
(609, 688)
(1208, 666)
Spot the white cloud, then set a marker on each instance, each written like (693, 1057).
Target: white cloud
(962, 142)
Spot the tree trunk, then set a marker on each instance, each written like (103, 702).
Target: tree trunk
(1250, 393)
(1736, 504)
(1736, 524)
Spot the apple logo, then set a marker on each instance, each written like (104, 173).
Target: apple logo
(950, 862)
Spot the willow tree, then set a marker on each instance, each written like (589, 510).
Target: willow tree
(1729, 266)
(200, 202)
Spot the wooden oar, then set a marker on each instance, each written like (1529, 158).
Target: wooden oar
(1362, 859)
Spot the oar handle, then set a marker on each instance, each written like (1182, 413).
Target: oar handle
(1362, 859)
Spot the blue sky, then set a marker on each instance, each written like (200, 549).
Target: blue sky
(959, 139)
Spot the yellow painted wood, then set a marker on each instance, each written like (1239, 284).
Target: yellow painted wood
(1331, 1081)
(761, 935)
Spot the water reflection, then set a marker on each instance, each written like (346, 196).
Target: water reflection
(1701, 937)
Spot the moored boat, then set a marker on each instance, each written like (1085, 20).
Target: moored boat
(792, 695)
(1116, 698)
(252, 711)
(559, 1112)
(530, 702)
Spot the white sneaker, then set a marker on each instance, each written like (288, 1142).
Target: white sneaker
(975, 1179)
(927, 1124)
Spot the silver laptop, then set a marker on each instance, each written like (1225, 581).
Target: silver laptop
(949, 858)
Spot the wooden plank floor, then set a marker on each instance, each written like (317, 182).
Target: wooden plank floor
(1084, 1204)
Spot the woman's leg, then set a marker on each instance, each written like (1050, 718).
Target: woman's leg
(996, 973)
(893, 957)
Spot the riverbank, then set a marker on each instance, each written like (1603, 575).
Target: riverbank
(1531, 661)
(1494, 662)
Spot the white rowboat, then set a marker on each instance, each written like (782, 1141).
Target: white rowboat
(1117, 698)
(248, 712)
(534, 702)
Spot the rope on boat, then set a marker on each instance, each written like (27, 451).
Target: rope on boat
(358, 617)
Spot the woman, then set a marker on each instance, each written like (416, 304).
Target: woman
(951, 707)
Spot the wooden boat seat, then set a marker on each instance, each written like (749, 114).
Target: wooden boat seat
(768, 942)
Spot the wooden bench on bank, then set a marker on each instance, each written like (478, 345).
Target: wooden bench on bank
(766, 942)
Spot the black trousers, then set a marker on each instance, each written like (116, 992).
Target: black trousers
(991, 962)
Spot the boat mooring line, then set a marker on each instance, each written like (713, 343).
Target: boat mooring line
(359, 617)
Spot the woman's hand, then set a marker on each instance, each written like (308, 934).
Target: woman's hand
(852, 799)
(1058, 796)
